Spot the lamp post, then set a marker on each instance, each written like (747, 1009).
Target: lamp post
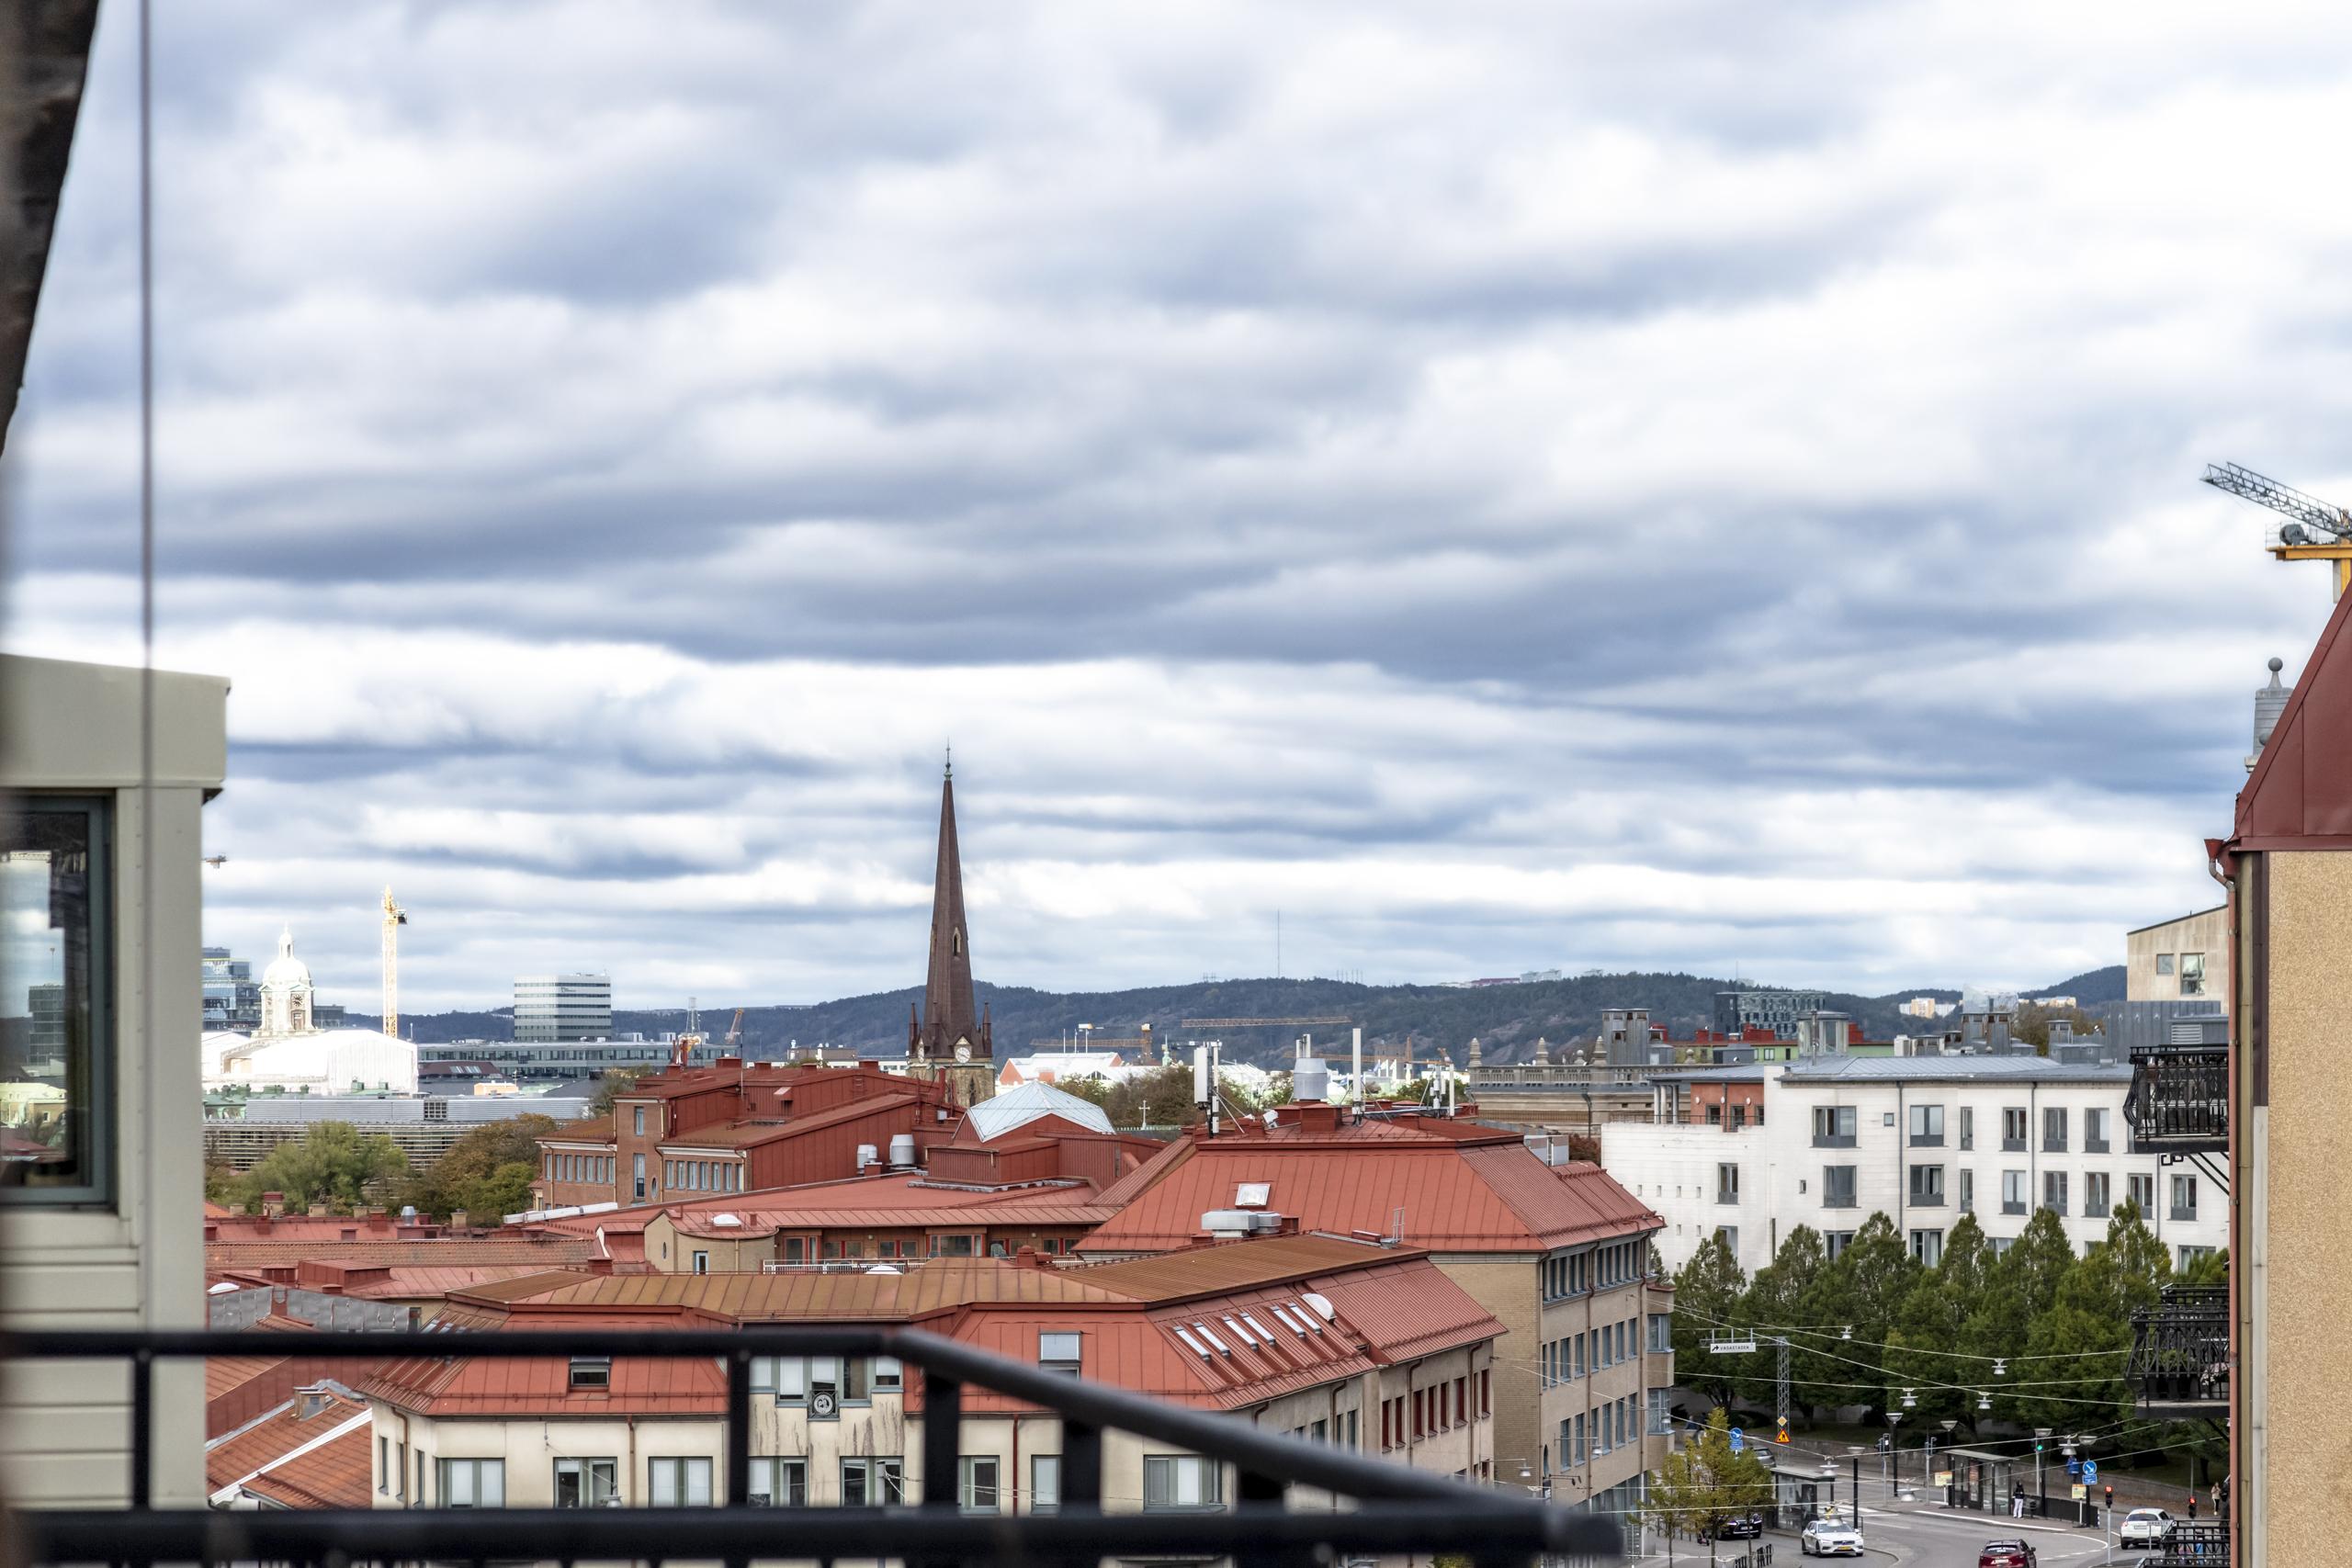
(1893, 1452)
(1950, 1424)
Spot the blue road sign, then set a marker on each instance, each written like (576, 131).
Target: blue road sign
(2090, 1473)
(1738, 1440)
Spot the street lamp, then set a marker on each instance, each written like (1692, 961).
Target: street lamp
(1894, 1449)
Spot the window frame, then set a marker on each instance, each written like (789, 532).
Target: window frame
(476, 1468)
(681, 1467)
(1044, 1498)
(92, 1082)
(1049, 1340)
(1211, 1473)
(969, 1485)
(776, 1467)
(586, 1467)
(887, 1471)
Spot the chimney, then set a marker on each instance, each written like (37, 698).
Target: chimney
(2269, 704)
(273, 1204)
(458, 1219)
(318, 1211)
(311, 1401)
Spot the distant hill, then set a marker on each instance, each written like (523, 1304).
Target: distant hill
(1507, 1020)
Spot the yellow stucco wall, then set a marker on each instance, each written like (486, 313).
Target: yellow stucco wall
(2306, 1276)
(2206, 932)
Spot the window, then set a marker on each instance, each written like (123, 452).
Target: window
(2053, 1192)
(1967, 1127)
(2053, 1129)
(2183, 1197)
(1838, 1187)
(2095, 1132)
(1181, 1480)
(1927, 1247)
(2095, 1195)
(640, 1121)
(1045, 1483)
(2001, 1244)
(1662, 1420)
(1927, 1185)
(2192, 973)
(951, 1247)
(1738, 1117)
(473, 1483)
(55, 886)
(592, 1372)
(1715, 1115)
(1927, 1126)
(1577, 1447)
(873, 1483)
(2189, 1255)
(976, 1485)
(1730, 1237)
(886, 1377)
(856, 1384)
(1727, 1184)
(679, 1482)
(702, 1262)
(779, 1484)
(2141, 1192)
(1833, 1126)
(2013, 1192)
(2164, 962)
(824, 1388)
(1835, 1242)
(791, 1380)
(1661, 1341)
(587, 1483)
(1967, 1191)
(2013, 1129)
(1058, 1352)
(383, 1463)
(637, 1162)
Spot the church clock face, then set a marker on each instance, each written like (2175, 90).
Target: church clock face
(963, 1051)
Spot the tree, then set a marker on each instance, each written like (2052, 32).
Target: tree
(2141, 1262)
(1703, 1485)
(616, 1081)
(487, 1173)
(1997, 1330)
(1780, 1297)
(2038, 1264)
(1708, 1294)
(2033, 1021)
(330, 1164)
(1864, 1291)
(2078, 1349)
(1154, 1097)
(1919, 1358)
(1968, 1259)
(2213, 1269)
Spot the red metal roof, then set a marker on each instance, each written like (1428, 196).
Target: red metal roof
(1447, 1194)
(671, 1386)
(2301, 786)
(267, 1443)
(338, 1473)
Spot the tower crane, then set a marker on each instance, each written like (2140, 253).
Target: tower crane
(394, 919)
(735, 1034)
(2315, 529)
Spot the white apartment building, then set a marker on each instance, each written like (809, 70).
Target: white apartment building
(563, 1007)
(1921, 1139)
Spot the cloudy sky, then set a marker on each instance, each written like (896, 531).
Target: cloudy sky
(1675, 485)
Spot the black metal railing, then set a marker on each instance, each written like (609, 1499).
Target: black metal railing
(2179, 1101)
(2195, 1544)
(1395, 1509)
(2180, 1349)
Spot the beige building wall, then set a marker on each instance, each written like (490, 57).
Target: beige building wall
(2205, 936)
(2290, 1156)
(137, 1262)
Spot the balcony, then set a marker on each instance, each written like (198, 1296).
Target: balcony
(1833, 1140)
(2194, 1543)
(1398, 1510)
(2179, 1101)
(2180, 1351)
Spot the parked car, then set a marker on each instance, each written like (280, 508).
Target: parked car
(1830, 1538)
(2144, 1527)
(2008, 1554)
(1739, 1527)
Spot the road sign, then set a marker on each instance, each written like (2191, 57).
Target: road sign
(2081, 1491)
(2090, 1472)
(1780, 1434)
(1738, 1440)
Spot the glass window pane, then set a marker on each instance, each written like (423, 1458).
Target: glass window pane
(52, 898)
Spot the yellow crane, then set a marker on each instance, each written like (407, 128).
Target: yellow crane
(394, 919)
(2314, 529)
(735, 1034)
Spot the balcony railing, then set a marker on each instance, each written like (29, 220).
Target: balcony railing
(2194, 1543)
(2179, 1101)
(1397, 1509)
(2180, 1349)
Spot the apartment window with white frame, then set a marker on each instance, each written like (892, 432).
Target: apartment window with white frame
(2183, 1197)
(779, 1484)
(2094, 1131)
(2053, 1192)
(1045, 1483)
(2014, 1198)
(1927, 1185)
(2096, 1194)
(681, 1482)
(1967, 1190)
(1967, 1127)
(1727, 1184)
(2013, 1129)
(1833, 1126)
(873, 1483)
(1181, 1482)
(1058, 1352)
(1834, 1243)
(2054, 1129)
(1927, 1247)
(1927, 1126)
(473, 1483)
(976, 1483)
(587, 1483)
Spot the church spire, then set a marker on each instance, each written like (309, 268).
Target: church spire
(949, 1018)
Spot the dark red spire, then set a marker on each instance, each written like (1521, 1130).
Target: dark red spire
(949, 1019)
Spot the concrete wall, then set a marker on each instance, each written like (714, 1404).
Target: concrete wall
(137, 1261)
(2206, 932)
(1672, 1168)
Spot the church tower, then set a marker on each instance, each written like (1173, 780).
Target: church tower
(949, 1040)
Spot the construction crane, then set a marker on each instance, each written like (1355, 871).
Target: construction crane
(394, 919)
(2315, 530)
(735, 1034)
(1320, 1018)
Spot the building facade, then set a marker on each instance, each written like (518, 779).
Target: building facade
(562, 1006)
(2179, 960)
(1920, 1139)
(1776, 1011)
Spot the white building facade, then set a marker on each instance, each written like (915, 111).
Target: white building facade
(1922, 1140)
(563, 1007)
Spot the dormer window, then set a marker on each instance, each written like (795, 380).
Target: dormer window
(592, 1372)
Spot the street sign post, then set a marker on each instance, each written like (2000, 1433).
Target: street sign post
(2090, 1472)
(1738, 1440)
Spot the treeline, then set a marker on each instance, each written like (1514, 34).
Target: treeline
(487, 1172)
(2035, 1336)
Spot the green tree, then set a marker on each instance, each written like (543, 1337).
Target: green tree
(1702, 1486)
(1994, 1336)
(332, 1163)
(2077, 1349)
(1968, 1259)
(1780, 1297)
(2213, 1269)
(487, 1173)
(1919, 1354)
(1863, 1292)
(1155, 1096)
(2141, 1262)
(1708, 1294)
(2038, 1263)
(616, 1081)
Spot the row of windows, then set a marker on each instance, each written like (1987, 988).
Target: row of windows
(598, 1169)
(1572, 1274)
(1741, 1116)
(702, 1176)
(1438, 1408)
(1835, 1126)
(1604, 1430)
(1171, 1481)
(1567, 1360)
(1926, 1190)
(1342, 1430)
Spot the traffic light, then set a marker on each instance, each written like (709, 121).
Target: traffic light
(2111, 1496)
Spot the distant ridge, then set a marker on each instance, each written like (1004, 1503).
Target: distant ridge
(1507, 1020)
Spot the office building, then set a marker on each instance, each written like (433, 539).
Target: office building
(563, 1007)
(232, 995)
(1738, 1011)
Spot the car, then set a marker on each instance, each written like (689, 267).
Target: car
(2144, 1527)
(1742, 1527)
(2008, 1554)
(1830, 1538)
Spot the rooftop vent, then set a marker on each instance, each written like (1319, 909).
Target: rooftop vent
(726, 1219)
(1322, 1305)
(1252, 1194)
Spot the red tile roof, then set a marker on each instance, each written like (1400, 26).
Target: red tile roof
(686, 1385)
(275, 1445)
(545, 1249)
(338, 1473)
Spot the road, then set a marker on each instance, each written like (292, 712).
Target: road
(1908, 1535)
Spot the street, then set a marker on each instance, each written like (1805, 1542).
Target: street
(1923, 1534)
